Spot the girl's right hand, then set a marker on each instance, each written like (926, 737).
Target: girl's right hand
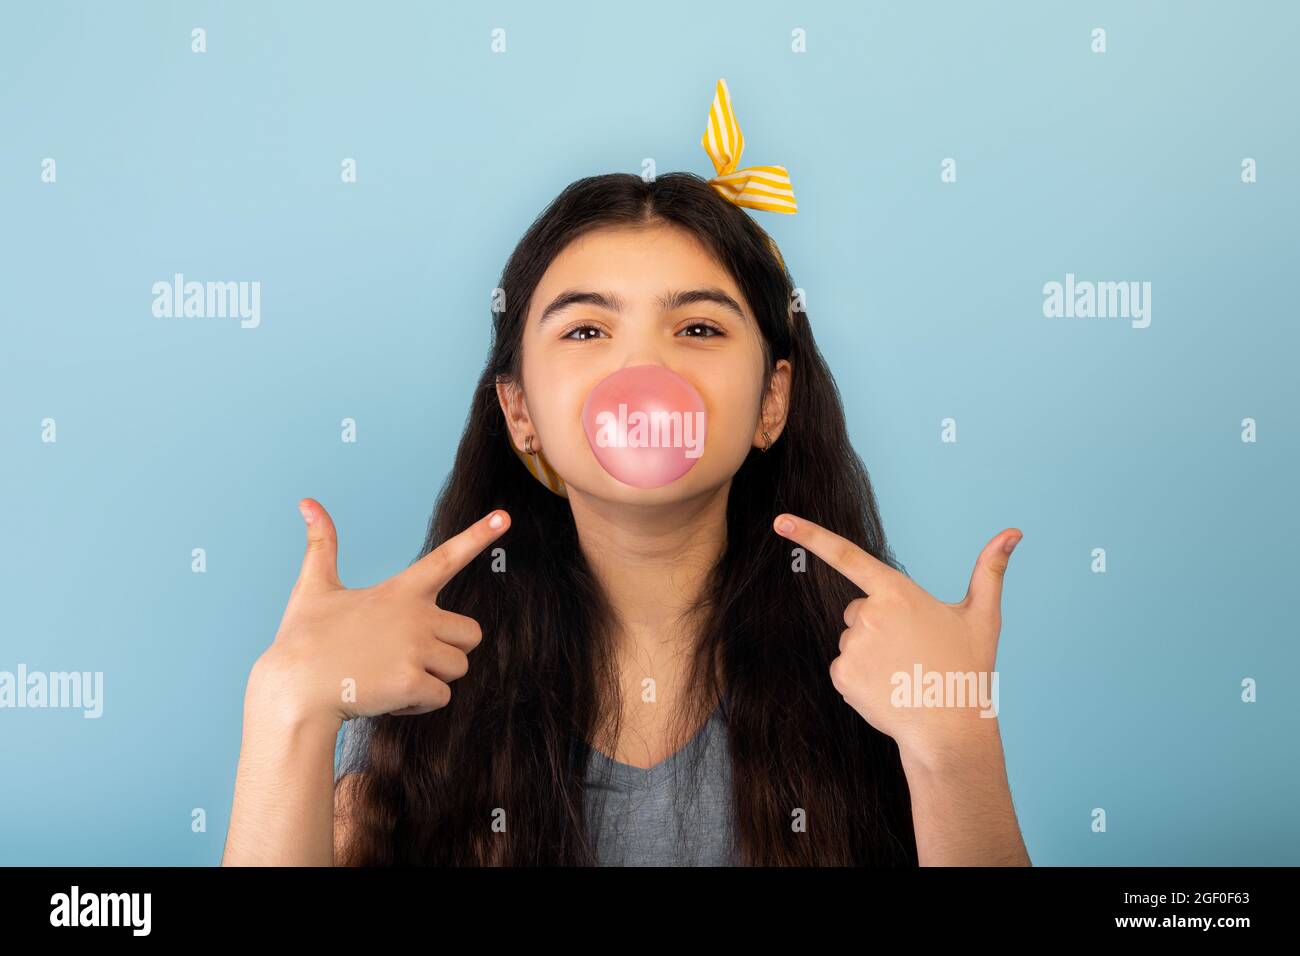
(389, 649)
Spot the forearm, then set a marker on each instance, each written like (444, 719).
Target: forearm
(283, 811)
(962, 810)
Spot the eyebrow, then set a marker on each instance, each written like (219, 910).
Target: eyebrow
(673, 300)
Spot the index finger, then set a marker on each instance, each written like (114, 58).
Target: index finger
(444, 562)
(841, 554)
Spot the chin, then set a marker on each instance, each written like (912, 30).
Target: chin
(604, 487)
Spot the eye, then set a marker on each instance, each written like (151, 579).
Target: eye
(698, 329)
(581, 328)
(707, 329)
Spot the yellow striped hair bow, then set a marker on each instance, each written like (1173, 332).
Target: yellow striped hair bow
(758, 187)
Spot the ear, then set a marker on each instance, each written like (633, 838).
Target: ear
(515, 409)
(776, 404)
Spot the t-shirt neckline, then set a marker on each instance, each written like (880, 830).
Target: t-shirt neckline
(646, 777)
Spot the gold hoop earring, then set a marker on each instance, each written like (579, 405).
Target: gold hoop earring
(767, 440)
(528, 445)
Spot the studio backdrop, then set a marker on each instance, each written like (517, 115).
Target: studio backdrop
(1048, 250)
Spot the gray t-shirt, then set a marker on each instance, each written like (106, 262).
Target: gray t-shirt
(677, 813)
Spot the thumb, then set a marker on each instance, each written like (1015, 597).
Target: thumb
(984, 595)
(320, 564)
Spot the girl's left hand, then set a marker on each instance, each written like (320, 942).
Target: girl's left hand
(900, 630)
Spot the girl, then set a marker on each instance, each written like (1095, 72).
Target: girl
(642, 675)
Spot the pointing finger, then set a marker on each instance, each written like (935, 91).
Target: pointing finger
(843, 555)
(444, 562)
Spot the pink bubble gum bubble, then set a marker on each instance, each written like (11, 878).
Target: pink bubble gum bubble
(645, 425)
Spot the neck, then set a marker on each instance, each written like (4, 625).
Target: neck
(652, 561)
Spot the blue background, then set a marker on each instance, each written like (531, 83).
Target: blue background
(1119, 690)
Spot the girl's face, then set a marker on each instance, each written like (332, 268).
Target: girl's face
(624, 296)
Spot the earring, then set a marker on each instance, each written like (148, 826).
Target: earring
(528, 445)
(767, 440)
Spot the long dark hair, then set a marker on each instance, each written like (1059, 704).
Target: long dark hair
(512, 744)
